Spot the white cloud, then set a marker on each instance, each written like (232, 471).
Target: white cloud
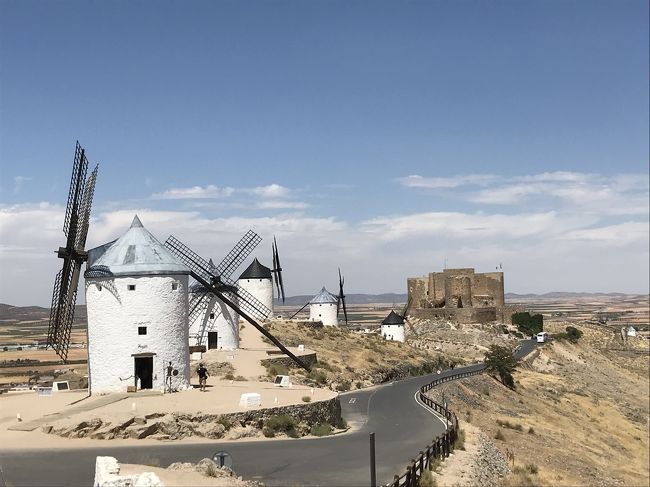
(415, 181)
(209, 191)
(269, 191)
(280, 204)
(624, 194)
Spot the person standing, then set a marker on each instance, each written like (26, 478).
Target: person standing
(203, 376)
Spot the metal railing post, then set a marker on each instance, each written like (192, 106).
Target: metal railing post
(373, 470)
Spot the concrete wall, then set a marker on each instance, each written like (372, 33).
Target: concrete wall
(114, 315)
(262, 289)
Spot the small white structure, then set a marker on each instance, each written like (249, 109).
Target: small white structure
(392, 328)
(542, 337)
(215, 325)
(631, 332)
(107, 474)
(250, 399)
(282, 381)
(257, 280)
(324, 307)
(136, 295)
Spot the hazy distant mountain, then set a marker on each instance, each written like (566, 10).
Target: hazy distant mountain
(558, 295)
(387, 298)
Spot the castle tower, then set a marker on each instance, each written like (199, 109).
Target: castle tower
(392, 328)
(323, 307)
(136, 295)
(256, 279)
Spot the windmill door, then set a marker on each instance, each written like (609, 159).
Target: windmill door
(212, 339)
(144, 371)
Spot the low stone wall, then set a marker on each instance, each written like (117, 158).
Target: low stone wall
(309, 359)
(182, 425)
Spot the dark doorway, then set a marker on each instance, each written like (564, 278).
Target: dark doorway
(144, 371)
(212, 339)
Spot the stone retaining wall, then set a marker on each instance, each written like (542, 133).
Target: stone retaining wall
(309, 359)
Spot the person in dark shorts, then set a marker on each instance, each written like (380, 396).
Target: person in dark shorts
(203, 376)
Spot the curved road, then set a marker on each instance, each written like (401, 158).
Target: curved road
(402, 427)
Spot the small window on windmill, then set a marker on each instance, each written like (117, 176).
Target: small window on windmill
(174, 286)
(142, 330)
(131, 287)
(212, 316)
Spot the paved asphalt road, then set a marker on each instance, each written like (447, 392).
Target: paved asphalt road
(402, 426)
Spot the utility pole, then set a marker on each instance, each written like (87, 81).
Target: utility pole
(373, 471)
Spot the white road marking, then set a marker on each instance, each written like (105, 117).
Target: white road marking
(352, 400)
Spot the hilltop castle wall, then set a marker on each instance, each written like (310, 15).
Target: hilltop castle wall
(459, 294)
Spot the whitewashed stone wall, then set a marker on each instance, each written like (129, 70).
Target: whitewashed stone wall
(107, 474)
(324, 312)
(114, 315)
(225, 322)
(393, 332)
(262, 289)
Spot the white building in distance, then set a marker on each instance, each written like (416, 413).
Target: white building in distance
(324, 307)
(217, 324)
(392, 328)
(257, 280)
(136, 294)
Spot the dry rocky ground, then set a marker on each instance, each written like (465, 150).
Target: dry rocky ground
(579, 416)
(352, 360)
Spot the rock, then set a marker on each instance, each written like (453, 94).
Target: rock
(149, 430)
(140, 420)
(46, 428)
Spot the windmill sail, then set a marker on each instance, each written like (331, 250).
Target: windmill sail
(75, 228)
(245, 304)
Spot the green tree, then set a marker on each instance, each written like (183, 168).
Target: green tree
(573, 334)
(501, 361)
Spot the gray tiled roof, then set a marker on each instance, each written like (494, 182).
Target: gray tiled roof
(137, 252)
(324, 297)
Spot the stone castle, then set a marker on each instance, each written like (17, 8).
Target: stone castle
(461, 295)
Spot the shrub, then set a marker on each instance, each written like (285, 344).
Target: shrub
(459, 443)
(359, 384)
(281, 423)
(276, 369)
(343, 386)
(341, 423)
(573, 334)
(268, 432)
(501, 360)
(528, 324)
(321, 429)
(531, 431)
(499, 436)
(427, 479)
(532, 468)
(318, 376)
(241, 378)
(229, 376)
(306, 399)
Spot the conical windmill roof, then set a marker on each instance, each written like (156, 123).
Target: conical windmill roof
(256, 271)
(324, 297)
(393, 319)
(135, 253)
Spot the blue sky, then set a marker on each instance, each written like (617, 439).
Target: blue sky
(382, 137)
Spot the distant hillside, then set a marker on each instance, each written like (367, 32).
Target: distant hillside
(387, 298)
(560, 295)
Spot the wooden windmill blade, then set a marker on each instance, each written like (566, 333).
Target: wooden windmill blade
(236, 298)
(238, 254)
(277, 271)
(406, 307)
(341, 298)
(75, 227)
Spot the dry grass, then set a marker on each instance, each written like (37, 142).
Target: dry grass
(349, 359)
(583, 419)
